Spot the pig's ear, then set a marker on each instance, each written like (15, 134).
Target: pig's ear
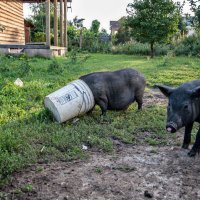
(196, 92)
(165, 90)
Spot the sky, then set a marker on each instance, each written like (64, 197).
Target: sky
(102, 10)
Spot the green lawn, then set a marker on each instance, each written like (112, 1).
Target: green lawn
(28, 132)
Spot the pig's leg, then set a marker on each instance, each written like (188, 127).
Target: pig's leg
(139, 101)
(196, 146)
(103, 103)
(187, 136)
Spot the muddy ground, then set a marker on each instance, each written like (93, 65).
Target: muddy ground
(131, 172)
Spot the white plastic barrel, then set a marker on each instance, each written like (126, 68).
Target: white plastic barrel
(74, 99)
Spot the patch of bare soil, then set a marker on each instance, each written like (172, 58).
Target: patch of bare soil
(131, 172)
(154, 96)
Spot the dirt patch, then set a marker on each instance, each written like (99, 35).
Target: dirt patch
(154, 96)
(131, 172)
(165, 172)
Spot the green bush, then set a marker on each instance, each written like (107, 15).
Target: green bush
(54, 67)
(41, 37)
(92, 42)
(24, 68)
(189, 46)
(10, 68)
(137, 48)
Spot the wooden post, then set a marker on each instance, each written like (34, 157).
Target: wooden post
(55, 24)
(48, 41)
(61, 23)
(65, 23)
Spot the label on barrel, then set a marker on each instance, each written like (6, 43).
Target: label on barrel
(67, 97)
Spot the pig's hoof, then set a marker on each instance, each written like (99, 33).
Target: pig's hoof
(191, 153)
(185, 146)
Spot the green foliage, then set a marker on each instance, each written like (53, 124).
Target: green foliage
(190, 46)
(78, 22)
(55, 68)
(95, 26)
(195, 7)
(73, 39)
(3, 196)
(152, 21)
(73, 55)
(41, 37)
(15, 69)
(90, 40)
(28, 131)
(123, 34)
(94, 43)
(27, 187)
(77, 57)
(25, 68)
(38, 19)
(137, 48)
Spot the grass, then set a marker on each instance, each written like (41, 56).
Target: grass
(29, 133)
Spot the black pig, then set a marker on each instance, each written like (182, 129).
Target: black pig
(183, 110)
(116, 90)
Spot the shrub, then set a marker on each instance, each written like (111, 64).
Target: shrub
(54, 67)
(24, 68)
(137, 48)
(41, 37)
(188, 46)
(73, 55)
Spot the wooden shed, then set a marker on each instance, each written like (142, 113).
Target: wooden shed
(11, 18)
(12, 31)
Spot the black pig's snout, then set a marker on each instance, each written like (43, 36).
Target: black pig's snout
(171, 127)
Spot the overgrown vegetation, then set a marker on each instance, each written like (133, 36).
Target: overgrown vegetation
(29, 133)
(153, 21)
(151, 28)
(190, 46)
(137, 48)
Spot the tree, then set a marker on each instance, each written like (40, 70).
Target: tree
(38, 19)
(153, 21)
(123, 34)
(78, 23)
(195, 7)
(39, 16)
(95, 26)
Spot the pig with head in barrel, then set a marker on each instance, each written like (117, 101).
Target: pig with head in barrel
(116, 90)
(183, 110)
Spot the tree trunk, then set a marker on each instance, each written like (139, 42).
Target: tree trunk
(81, 39)
(152, 49)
